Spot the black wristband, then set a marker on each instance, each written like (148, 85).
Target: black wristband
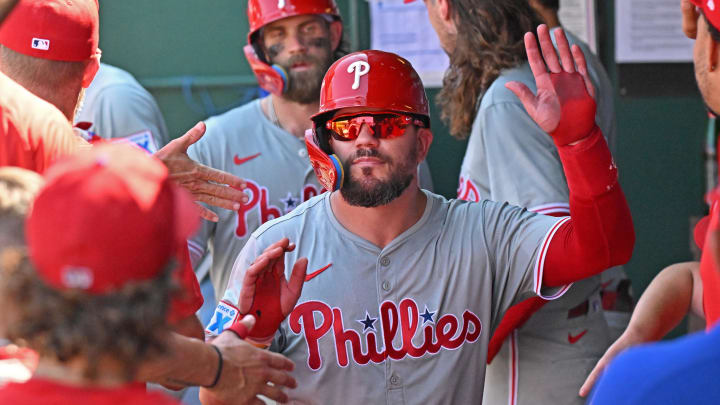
(219, 369)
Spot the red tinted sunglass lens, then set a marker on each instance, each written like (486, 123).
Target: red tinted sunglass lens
(382, 126)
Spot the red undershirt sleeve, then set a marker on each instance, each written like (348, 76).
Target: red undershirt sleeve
(600, 233)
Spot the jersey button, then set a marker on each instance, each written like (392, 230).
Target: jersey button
(395, 380)
(385, 261)
(302, 153)
(386, 285)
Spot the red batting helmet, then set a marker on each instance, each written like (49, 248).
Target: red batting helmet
(373, 79)
(263, 12)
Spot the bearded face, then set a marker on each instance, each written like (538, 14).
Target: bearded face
(364, 189)
(301, 46)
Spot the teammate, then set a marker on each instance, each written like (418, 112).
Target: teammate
(398, 289)
(290, 46)
(509, 158)
(93, 320)
(58, 75)
(116, 106)
(684, 370)
(53, 23)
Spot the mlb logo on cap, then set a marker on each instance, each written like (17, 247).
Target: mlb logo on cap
(41, 44)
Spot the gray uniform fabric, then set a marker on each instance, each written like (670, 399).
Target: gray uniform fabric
(275, 164)
(456, 270)
(119, 107)
(509, 158)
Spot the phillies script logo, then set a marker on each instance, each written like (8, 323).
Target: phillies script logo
(467, 190)
(448, 332)
(259, 203)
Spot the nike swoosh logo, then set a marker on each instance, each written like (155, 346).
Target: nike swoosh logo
(239, 161)
(573, 339)
(316, 273)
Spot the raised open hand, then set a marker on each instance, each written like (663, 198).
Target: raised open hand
(564, 106)
(211, 186)
(266, 294)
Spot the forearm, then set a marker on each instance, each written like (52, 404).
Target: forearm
(664, 303)
(600, 232)
(190, 327)
(186, 362)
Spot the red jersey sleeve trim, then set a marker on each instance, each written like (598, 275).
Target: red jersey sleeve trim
(540, 263)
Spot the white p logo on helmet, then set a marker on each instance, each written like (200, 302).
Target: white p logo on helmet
(361, 68)
(281, 4)
(711, 5)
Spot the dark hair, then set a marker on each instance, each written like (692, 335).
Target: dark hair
(489, 40)
(127, 325)
(714, 33)
(551, 4)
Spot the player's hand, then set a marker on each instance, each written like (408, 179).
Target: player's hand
(689, 18)
(211, 186)
(625, 341)
(564, 106)
(266, 294)
(247, 371)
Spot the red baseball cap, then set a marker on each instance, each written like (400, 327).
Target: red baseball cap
(65, 30)
(711, 9)
(106, 218)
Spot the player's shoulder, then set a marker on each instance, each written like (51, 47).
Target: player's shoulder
(114, 82)
(22, 109)
(233, 129)
(236, 120)
(308, 212)
(497, 93)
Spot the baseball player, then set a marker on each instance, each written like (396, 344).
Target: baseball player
(116, 106)
(290, 46)
(510, 158)
(51, 49)
(93, 320)
(393, 292)
(684, 371)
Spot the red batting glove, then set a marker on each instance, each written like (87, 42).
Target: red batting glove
(564, 106)
(267, 295)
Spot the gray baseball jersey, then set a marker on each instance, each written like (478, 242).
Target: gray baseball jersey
(119, 107)
(276, 167)
(408, 323)
(509, 158)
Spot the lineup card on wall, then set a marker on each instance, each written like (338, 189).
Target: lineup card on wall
(578, 17)
(650, 31)
(404, 29)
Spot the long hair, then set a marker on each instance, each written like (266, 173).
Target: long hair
(489, 40)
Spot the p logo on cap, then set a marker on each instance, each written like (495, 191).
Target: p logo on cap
(361, 68)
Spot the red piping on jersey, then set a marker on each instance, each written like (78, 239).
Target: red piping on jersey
(513, 369)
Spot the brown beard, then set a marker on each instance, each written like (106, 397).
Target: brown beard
(370, 192)
(304, 87)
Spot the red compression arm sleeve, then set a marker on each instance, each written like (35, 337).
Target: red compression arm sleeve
(600, 232)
